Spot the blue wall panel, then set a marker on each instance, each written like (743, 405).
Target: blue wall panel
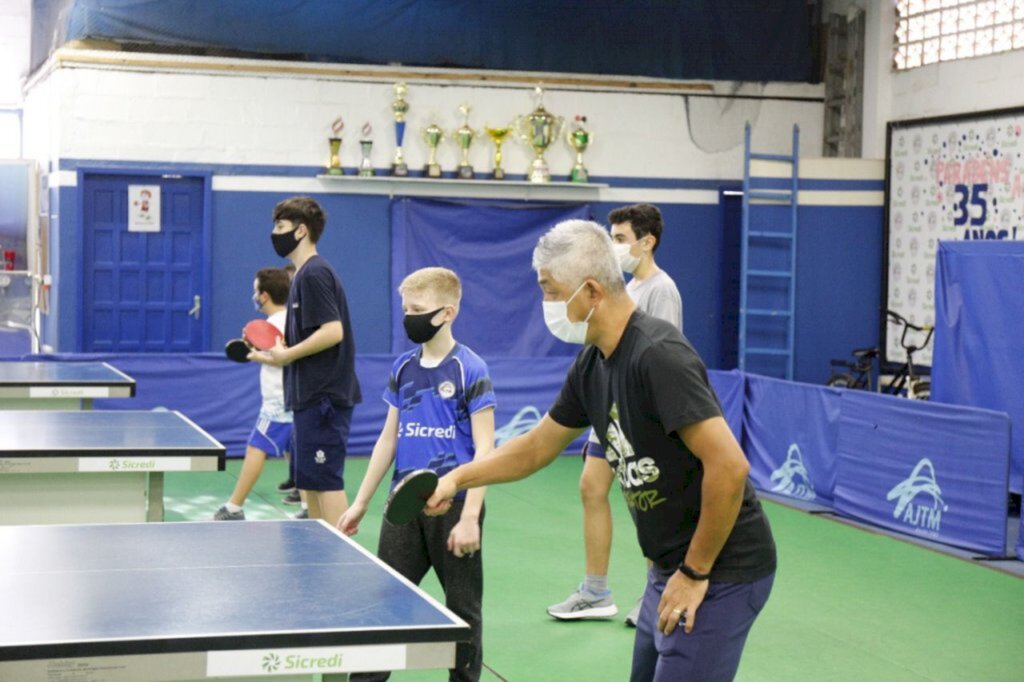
(356, 241)
(838, 283)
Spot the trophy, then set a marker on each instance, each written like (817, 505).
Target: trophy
(498, 136)
(579, 139)
(366, 145)
(400, 107)
(334, 165)
(433, 135)
(539, 129)
(463, 137)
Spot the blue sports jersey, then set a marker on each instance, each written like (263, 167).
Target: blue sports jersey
(434, 406)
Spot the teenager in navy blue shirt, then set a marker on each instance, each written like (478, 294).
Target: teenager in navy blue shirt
(440, 415)
(318, 356)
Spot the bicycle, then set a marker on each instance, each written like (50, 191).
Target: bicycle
(904, 382)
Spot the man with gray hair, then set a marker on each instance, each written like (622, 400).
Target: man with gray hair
(645, 391)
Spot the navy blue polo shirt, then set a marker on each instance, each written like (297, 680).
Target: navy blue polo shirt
(316, 297)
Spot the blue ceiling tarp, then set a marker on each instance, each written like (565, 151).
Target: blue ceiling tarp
(748, 40)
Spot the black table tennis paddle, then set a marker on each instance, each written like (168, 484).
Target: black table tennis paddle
(237, 350)
(410, 496)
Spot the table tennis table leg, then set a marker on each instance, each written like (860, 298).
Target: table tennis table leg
(155, 496)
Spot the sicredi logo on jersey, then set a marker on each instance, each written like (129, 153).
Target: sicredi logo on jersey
(418, 430)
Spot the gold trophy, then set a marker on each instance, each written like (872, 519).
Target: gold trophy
(498, 136)
(400, 108)
(334, 165)
(579, 139)
(539, 129)
(366, 145)
(464, 137)
(433, 135)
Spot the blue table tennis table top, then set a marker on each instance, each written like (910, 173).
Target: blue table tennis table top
(131, 589)
(41, 375)
(156, 433)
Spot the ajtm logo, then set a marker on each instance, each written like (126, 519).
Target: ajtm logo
(271, 663)
(920, 482)
(792, 477)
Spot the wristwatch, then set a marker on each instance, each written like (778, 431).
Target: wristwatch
(692, 574)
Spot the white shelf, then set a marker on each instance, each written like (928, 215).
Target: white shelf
(455, 187)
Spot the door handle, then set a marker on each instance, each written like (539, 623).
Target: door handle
(197, 305)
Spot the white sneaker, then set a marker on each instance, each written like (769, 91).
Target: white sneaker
(634, 613)
(582, 605)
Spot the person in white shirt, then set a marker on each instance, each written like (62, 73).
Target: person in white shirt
(272, 434)
(636, 234)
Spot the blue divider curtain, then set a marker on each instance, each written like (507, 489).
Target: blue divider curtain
(979, 330)
(729, 386)
(935, 471)
(790, 434)
(489, 245)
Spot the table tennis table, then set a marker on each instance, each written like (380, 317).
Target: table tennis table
(189, 601)
(60, 385)
(68, 466)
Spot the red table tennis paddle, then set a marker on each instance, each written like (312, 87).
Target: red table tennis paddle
(261, 335)
(410, 496)
(237, 350)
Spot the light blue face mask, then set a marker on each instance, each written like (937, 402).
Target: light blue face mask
(256, 302)
(556, 317)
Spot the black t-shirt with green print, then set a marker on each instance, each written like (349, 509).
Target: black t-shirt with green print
(652, 385)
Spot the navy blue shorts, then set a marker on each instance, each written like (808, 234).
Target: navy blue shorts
(320, 435)
(711, 653)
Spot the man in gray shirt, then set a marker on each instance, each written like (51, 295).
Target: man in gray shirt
(636, 233)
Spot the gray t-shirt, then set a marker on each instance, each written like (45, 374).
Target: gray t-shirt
(658, 296)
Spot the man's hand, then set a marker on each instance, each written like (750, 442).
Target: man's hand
(441, 501)
(464, 540)
(681, 599)
(277, 356)
(349, 521)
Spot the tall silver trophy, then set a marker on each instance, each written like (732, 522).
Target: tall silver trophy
(366, 145)
(539, 129)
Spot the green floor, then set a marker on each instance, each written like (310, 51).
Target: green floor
(847, 604)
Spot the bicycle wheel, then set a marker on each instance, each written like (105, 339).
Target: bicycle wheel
(920, 390)
(839, 381)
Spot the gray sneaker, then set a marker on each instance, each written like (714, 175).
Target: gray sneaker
(301, 514)
(581, 605)
(634, 613)
(224, 515)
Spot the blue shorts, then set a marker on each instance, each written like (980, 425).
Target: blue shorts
(273, 438)
(320, 435)
(711, 653)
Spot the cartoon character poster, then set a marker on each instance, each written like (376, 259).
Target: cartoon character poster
(949, 179)
(143, 208)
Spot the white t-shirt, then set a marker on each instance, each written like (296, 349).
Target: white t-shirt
(272, 382)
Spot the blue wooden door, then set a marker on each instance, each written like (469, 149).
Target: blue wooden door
(142, 291)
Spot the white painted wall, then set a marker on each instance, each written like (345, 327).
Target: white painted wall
(217, 118)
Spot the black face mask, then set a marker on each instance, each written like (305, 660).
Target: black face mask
(285, 242)
(419, 328)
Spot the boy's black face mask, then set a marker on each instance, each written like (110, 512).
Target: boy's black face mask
(419, 328)
(284, 243)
